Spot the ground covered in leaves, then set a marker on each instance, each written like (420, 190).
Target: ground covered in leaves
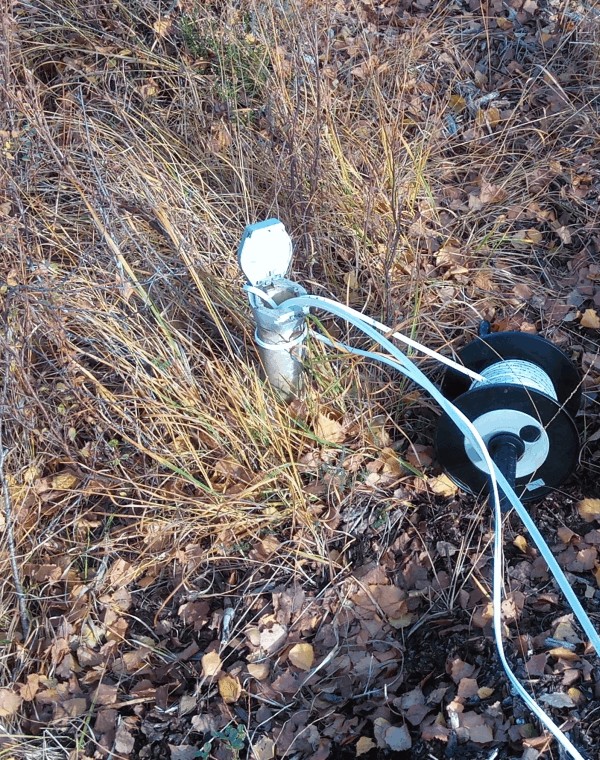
(190, 568)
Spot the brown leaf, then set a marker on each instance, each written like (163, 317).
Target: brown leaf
(106, 694)
(9, 702)
(521, 543)
(397, 738)
(467, 688)
(328, 429)
(30, 689)
(272, 639)
(523, 291)
(491, 193)
(124, 741)
(536, 665)
(302, 656)
(460, 669)
(211, 664)
(229, 689)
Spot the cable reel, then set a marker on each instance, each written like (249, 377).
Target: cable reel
(523, 410)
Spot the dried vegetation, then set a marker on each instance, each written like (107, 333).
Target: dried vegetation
(197, 570)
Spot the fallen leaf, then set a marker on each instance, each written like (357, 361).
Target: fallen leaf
(460, 669)
(211, 664)
(521, 543)
(563, 653)
(9, 702)
(398, 738)
(481, 734)
(272, 639)
(106, 694)
(30, 689)
(328, 429)
(302, 656)
(263, 749)
(162, 26)
(523, 291)
(467, 688)
(564, 234)
(575, 695)
(536, 664)
(590, 319)
(364, 745)
(64, 481)
(443, 486)
(589, 509)
(183, 752)
(229, 689)
(557, 699)
(124, 741)
(483, 615)
(491, 193)
(258, 670)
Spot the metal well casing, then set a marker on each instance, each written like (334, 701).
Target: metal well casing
(280, 335)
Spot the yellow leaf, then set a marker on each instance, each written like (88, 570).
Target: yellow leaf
(162, 26)
(211, 664)
(64, 481)
(443, 486)
(590, 319)
(258, 670)
(229, 689)
(302, 656)
(457, 103)
(575, 695)
(493, 116)
(589, 509)
(364, 745)
(328, 429)
(563, 653)
(521, 543)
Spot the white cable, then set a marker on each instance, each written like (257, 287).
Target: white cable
(408, 341)
(259, 294)
(468, 429)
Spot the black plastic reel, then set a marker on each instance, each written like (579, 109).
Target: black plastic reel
(499, 346)
(555, 417)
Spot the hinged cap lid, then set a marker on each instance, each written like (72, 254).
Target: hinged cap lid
(265, 251)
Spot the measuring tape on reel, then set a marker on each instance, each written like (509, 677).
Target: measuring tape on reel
(524, 404)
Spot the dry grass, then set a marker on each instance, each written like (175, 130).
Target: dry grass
(138, 140)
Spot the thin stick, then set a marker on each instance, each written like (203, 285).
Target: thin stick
(8, 516)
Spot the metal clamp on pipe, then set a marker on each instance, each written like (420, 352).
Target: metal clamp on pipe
(264, 255)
